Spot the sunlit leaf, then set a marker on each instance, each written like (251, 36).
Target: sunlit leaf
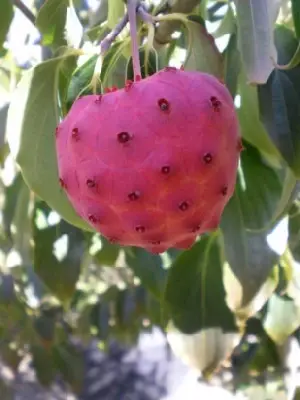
(282, 319)
(51, 21)
(116, 11)
(202, 54)
(32, 118)
(255, 33)
(205, 350)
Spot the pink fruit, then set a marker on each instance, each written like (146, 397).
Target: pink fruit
(154, 164)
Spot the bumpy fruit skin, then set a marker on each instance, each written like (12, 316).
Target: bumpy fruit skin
(154, 164)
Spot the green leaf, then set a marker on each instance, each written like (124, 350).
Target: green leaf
(255, 33)
(258, 190)
(71, 364)
(10, 356)
(112, 73)
(202, 53)
(58, 253)
(51, 21)
(296, 16)
(32, 119)
(80, 81)
(195, 295)
(6, 17)
(280, 113)
(10, 203)
(279, 102)
(13, 316)
(282, 318)
(294, 232)
(290, 190)
(45, 326)
(252, 128)
(116, 10)
(247, 253)
(125, 308)
(64, 77)
(43, 364)
(108, 253)
(148, 268)
(22, 223)
(232, 62)
(3, 118)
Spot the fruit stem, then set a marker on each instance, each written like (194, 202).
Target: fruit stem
(132, 10)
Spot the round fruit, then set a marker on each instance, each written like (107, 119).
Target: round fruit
(154, 164)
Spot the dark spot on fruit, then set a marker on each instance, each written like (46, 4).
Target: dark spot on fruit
(90, 183)
(75, 134)
(196, 228)
(112, 240)
(62, 183)
(183, 206)
(98, 99)
(165, 169)
(156, 242)
(123, 137)
(140, 229)
(240, 146)
(134, 195)
(128, 85)
(56, 130)
(170, 69)
(164, 105)
(224, 190)
(92, 218)
(216, 104)
(207, 158)
(110, 90)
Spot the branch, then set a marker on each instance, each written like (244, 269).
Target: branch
(166, 28)
(108, 40)
(25, 10)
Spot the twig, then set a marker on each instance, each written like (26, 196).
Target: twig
(108, 40)
(146, 17)
(25, 10)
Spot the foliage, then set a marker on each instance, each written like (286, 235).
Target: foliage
(59, 279)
